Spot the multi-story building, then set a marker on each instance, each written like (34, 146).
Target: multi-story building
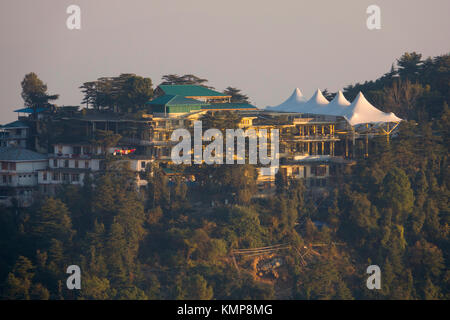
(315, 143)
(68, 164)
(14, 134)
(19, 175)
(71, 163)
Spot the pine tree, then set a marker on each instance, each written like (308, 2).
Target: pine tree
(396, 193)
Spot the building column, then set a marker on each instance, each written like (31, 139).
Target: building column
(346, 146)
(367, 146)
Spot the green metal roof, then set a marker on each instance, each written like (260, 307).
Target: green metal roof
(179, 104)
(30, 110)
(190, 91)
(15, 124)
(226, 106)
(18, 154)
(174, 104)
(174, 100)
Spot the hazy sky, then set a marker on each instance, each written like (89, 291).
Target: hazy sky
(266, 48)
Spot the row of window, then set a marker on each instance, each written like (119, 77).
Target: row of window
(8, 166)
(76, 150)
(319, 171)
(7, 179)
(77, 164)
(27, 175)
(66, 177)
(66, 164)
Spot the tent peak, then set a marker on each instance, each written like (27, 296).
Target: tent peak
(318, 98)
(298, 92)
(340, 100)
(292, 103)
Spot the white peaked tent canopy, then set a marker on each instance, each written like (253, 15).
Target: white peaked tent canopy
(361, 111)
(317, 104)
(292, 103)
(358, 112)
(336, 107)
(338, 104)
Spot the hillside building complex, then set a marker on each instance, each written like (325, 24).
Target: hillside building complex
(317, 139)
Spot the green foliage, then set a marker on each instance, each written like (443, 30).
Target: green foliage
(396, 194)
(322, 281)
(125, 93)
(105, 139)
(34, 92)
(174, 79)
(416, 90)
(179, 242)
(95, 288)
(197, 289)
(52, 221)
(236, 95)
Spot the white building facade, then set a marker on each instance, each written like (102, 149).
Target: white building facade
(19, 175)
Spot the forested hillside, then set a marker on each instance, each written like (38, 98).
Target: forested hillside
(391, 210)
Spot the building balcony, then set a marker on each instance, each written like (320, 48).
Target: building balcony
(71, 156)
(308, 138)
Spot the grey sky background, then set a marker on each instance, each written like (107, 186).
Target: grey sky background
(265, 48)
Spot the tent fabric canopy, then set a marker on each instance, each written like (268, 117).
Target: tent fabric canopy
(361, 111)
(318, 104)
(358, 112)
(292, 103)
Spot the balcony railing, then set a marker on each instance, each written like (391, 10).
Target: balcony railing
(71, 155)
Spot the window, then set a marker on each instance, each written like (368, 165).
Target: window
(75, 177)
(4, 165)
(10, 179)
(55, 176)
(319, 171)
(12, 166)
(76, 150)
(44, 176)
(143, 165)
(86, 164)
(66, 163)
(4, 179)
(55, 163)
(76, 164)
(65, 177)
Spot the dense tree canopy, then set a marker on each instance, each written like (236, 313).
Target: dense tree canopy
(178, 240)
(127, 92)
(174, 79)
(34, 92)
(236, 95)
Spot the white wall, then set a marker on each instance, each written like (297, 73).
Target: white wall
(24, 175)
(94, 164)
